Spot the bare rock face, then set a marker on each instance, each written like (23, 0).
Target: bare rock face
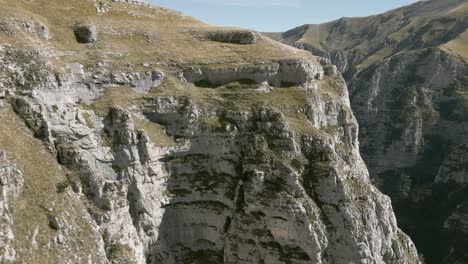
(86, 33)
(237, 186)
(11, 185)
(454, 169)
(133, 2)
(276, 73)
(409, 94)
(420, 146)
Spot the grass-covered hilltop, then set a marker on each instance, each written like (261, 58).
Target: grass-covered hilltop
(131, 133)
(407, 73)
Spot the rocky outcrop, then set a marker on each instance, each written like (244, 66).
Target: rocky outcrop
(341, 60)
(276, 73)
(412, 109)
(11, 185)
(421, 142)
(458, 220)
(425, 86)
(454, 168)
(133, 2)
(103, 7)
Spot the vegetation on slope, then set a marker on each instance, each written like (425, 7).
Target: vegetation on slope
(132, 35)
(39, 200)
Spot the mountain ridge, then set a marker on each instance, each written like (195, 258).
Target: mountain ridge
(360, 35)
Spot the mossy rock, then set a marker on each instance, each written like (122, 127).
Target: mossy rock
(119, 253)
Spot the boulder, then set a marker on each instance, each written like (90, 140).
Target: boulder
(330, 70)
(86, 33)
(328, 67)
(264, 87)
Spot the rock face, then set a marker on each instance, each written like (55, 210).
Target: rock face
(408, 90)
(260, 166)
(454, 168)
(11, 185)
(277, 73)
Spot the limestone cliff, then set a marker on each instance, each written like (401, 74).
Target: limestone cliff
(407, 74)
(159, 139)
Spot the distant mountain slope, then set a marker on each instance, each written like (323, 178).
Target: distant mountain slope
(359, 42)
(407, 73)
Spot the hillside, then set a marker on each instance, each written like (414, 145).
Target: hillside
(407, 76)
(132, 133)
(356, 43)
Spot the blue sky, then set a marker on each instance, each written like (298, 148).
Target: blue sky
(277, 15)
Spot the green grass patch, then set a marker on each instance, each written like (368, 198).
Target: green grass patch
(119, 96)
(156, 132)
(213, 123)
(87, 118)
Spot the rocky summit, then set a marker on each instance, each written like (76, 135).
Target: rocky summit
(407, 75)
(131, 133)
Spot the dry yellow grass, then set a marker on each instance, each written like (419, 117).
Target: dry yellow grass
(156, 132)
(119, 96)
(151, 35)
(458, 45)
